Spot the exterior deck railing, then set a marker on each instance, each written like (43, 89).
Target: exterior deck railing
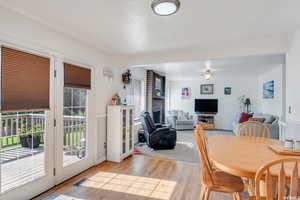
(14, 126)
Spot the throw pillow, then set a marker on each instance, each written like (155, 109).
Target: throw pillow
(262, 120)
(245, 117)
(270, 120)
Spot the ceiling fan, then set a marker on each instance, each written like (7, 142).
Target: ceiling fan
(208, 71)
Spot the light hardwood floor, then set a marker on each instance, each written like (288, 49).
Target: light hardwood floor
(137, 178)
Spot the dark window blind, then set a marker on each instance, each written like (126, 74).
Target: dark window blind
(25, 81)
(77, 77)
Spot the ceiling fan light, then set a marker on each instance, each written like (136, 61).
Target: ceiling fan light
(207, 75)
(165, 7)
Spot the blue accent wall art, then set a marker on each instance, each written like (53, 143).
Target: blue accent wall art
(268, 90)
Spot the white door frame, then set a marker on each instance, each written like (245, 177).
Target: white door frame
(41, 184)
(54, 135)
(64, 173)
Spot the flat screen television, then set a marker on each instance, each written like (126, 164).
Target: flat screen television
(206, 105)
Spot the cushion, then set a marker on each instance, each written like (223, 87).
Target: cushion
(244, 117)
(262, 120)
(270, 119)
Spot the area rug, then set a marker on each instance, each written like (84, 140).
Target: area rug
(186, 148)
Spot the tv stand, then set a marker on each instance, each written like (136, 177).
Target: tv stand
(206, 120)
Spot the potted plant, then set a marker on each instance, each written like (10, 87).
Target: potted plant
(23, 137)
(31, 139)
(34, 140)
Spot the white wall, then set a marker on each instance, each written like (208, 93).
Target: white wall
(21, 31)
(228, 104)
(292, 74)
(292, 87)
(271, 106)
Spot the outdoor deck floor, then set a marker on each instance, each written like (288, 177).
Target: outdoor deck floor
(22, 165)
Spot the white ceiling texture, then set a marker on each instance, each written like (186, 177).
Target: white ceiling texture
(129, 27)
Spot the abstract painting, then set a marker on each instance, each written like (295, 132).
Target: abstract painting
(268, 90)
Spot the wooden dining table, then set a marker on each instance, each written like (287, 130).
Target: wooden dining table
(242, 155)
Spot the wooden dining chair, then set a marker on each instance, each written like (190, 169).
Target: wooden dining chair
(254, 128)
(286, 177)
(212, 178)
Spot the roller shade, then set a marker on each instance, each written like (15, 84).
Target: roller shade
(25, 81)
(77, 77)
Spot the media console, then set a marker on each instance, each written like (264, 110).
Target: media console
(206, 120)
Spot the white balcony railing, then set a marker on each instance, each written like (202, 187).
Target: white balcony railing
(13, 127)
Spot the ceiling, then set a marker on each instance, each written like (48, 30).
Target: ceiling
(250, 65)
(129, 27)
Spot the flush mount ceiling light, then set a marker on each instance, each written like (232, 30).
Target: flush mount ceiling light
(165, 7)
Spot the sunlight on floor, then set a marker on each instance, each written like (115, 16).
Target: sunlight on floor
(135, 185)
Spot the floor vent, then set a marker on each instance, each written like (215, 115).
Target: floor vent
(78, 183)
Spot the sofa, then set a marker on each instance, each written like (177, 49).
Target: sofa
(180, 120)
(271, 121)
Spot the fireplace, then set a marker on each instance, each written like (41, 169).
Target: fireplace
(155, 100)
(156, 116)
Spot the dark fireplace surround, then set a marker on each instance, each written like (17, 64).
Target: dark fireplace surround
(155, 101)
(156, 116)
(157, 110)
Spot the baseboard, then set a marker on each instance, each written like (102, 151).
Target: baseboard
(101, 160)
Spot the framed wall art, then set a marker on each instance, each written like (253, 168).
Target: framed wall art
(207, 89)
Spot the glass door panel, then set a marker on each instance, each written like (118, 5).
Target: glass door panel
(124, 130)
(74, 125)
(130, 129)
(22, 148)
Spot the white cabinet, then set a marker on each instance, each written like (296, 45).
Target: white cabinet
(120, 140)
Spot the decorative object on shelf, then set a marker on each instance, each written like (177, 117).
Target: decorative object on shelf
(207, 89)
(227, 91)
(185, 93)
(165, 7)
(268, 90)
(126, 78)
(116, 100)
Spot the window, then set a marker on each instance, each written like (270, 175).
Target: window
(77, 82)
(135, 96)
(75, 125)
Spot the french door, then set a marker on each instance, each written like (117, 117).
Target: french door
(39, 148)
(27, 147)
(74, 151)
